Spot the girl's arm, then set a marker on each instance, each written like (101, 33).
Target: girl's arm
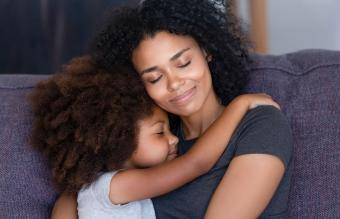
(65, 207)
(137, 184)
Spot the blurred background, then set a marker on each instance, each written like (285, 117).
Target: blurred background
(282, 26)
(38, 36)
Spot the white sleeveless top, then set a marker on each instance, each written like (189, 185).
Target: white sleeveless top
(94, 202)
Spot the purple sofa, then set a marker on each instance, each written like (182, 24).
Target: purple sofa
(305, 83)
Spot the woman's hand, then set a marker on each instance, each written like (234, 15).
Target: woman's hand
(255, 100)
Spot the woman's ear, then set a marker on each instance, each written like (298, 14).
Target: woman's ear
(208, 57)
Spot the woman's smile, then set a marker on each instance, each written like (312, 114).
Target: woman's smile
(184, 97)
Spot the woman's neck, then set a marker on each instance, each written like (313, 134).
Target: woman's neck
(194, 125)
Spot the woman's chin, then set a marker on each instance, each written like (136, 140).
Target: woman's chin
(187, 110)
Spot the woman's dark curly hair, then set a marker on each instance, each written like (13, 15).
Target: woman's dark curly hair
(210, 23)
(85, 121)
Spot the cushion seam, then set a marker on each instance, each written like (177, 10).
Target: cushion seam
(302, 73)
(16, 88)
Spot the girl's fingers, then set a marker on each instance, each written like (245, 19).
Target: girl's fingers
(264, 99)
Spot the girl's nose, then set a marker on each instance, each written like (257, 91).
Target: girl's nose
(173, 140)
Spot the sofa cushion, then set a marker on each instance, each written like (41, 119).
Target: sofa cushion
(307, 86)
(25, 186)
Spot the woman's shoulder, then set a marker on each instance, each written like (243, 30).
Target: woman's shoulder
(266, 113)
(265, 129)
(265, 117)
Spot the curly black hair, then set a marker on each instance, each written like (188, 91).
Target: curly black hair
(85, 121)
(211, 23)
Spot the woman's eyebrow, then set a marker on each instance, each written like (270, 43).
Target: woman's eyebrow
(177, 55)
(173, 58)
(148, 70)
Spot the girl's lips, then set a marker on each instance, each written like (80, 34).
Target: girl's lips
(172, 156)
(183, 98)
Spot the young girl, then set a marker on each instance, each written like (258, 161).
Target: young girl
(104, 137)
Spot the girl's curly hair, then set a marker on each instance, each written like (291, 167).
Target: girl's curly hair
(85, 121)
(211, 23)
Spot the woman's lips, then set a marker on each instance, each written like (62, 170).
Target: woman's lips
(185, 97)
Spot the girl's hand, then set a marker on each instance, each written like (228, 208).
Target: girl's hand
(260, 99)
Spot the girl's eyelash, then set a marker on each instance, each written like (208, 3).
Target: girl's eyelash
(154, 81)
(185, 65)
(160, 133)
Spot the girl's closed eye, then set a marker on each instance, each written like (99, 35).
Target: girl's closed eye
(159, 128)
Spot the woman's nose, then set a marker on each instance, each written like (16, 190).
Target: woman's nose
(174, 82)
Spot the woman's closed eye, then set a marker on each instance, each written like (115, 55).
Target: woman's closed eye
(180, 66)
(156, 80)
(184, 65)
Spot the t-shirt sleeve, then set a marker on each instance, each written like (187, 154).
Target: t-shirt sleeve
(101, 188)
(265, 130)
(94, 202)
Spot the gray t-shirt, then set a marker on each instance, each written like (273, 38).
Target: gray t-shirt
(94, 203)
(263, 130)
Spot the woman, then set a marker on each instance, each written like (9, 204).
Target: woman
(192, 60)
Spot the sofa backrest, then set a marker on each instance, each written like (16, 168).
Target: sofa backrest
(25, 186)
(305, 83)
(307, 86)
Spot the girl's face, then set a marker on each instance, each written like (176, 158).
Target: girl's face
(156, 144)
(175, 72)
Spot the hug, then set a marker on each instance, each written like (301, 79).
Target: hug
(168, 118)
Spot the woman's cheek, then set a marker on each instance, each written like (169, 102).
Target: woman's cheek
(157, 92)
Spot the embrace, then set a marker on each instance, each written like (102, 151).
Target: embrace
(154, 122)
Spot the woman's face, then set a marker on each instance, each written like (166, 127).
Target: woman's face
(175, 72)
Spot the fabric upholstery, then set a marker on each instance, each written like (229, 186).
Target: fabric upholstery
(25, 186)
(305, 83)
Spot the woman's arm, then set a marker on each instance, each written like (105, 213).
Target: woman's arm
(137, 184)
(247, 187)
(65, 207)
(262, 155)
